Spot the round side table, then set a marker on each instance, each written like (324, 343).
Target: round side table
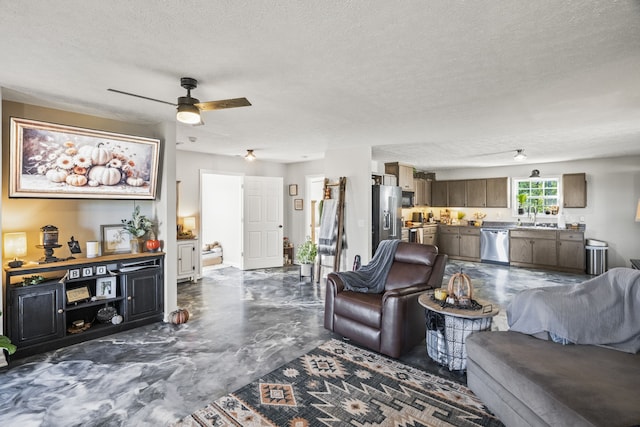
(448, 328)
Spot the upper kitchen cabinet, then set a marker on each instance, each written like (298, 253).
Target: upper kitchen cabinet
(439, 193)
(457, 193)
(476, 193)
(497, 192)
(403, 172)
(423, 192)
(574, 190)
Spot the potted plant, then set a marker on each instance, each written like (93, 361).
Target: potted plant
(522, 199)
(137, 226)
(5, 344)
(306, 256)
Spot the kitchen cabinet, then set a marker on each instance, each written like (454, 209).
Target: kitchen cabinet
(530, 248)
(459, 242)
(429, 235)
(423, 192)
(188, 260)
(404, 236)
(476, 191)
(497, 192)
(457, 193)
(40, 317)
(439, 193)
(571, 250)
(403, 172)
(574, 190)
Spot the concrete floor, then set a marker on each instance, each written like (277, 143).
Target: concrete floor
(243, 324)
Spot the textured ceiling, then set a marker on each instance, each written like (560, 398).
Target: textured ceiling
(438, 84)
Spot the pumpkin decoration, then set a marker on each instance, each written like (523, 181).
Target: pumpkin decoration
(57, 175)
(93, 183)
(76, 180)
(135, 181)
(100, 155)
(460, 289)
(104, 175)
(152, 244)
(179, 316)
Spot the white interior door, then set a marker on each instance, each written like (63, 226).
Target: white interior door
(262, 222)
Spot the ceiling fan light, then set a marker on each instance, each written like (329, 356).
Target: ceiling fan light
(519, 156)
(188, 114)
(250, 156)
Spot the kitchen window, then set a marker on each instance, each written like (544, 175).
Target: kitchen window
(539, 195)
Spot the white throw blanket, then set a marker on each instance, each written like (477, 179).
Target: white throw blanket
(602, 311)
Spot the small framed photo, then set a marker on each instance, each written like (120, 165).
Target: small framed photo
(293, 189)
(74, 273)
(106, 288)
(87, 272)
(115, 240)
(100, 270)
(78, 295)
(297, 204)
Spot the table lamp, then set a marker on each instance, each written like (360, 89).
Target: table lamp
(15, 245)
(189, 224)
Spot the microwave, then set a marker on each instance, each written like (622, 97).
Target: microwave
(407, 199)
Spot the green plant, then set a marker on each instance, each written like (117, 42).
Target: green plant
(5, 343)
(307, 252)
(138, 225)
(522, 198)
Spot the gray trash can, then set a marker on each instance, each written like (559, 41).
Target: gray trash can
(596, 257)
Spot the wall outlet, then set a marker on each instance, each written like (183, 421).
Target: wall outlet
(581, 219)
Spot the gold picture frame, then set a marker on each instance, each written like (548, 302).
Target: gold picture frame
(115, 239)
(293, 189)
(50, 160)
(297, 204)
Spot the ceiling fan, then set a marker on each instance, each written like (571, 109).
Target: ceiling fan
(189, 108)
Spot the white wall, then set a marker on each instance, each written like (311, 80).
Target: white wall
(613, 190)
(221, 215)
(295, 223)
(355, 164)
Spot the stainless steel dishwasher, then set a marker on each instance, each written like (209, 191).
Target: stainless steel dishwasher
(494, 245)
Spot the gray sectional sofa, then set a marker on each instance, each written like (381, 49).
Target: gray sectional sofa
(526, 381)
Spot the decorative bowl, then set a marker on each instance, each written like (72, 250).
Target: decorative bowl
(106, 314)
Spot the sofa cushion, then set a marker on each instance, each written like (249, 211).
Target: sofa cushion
(411, 266)
(561, 384)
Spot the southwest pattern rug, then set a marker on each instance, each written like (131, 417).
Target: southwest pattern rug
(338, 384)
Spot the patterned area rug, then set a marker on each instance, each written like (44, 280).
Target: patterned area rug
(338, 384)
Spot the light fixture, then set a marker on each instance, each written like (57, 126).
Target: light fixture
(250, 156)
(519, 156)
(638, 212)
(535, 174)
(188, 113)
(15, 245)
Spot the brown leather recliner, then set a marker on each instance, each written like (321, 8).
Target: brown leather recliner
(392, 322)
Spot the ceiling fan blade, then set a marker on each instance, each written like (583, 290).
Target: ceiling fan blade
(140, 96)
(225, 103)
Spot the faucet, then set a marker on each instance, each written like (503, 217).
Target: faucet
(532, 215)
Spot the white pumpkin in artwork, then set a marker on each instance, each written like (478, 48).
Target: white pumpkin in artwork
(56, 175)
(104, 175)
(135, 181)
(76, 180)
(100, 155)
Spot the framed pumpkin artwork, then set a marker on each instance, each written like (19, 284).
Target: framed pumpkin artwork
(58, 161)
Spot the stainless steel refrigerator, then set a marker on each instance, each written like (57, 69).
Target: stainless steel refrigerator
(386, 203)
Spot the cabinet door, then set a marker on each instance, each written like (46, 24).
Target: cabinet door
(419, 192)
(470, 246)
(574, 190)
(497, 192)
(186, 259)
(544, 252)
(477, 193)
(427, 193)
(144, 293)
(457, 193)
(37, 313)
(571, 254)
(449, 243)
(520, 250)
(405, 180)
(439, 192)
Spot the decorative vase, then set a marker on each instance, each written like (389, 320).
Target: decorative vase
(136, 245)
